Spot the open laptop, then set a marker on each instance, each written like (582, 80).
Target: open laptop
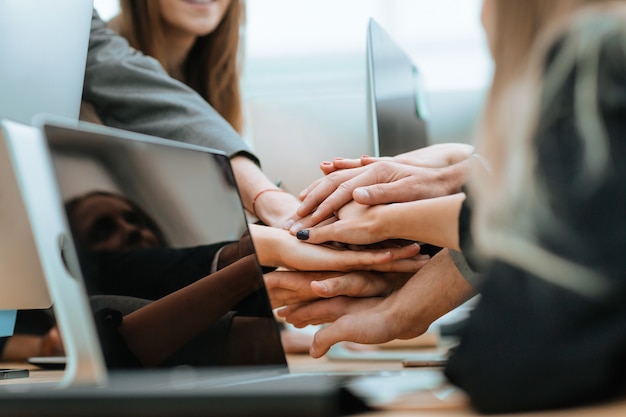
(190, 193)
(397, 111)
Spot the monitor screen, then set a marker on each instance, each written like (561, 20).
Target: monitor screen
(43, 51)
(397, 111)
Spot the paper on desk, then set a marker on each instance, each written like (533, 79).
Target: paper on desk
(7, 322)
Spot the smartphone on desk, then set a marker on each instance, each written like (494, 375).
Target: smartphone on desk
(6, 373)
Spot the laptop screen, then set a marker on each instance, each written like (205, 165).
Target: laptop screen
(149, 218)
(397, 112)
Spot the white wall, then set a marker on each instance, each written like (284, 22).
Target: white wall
(304, 74)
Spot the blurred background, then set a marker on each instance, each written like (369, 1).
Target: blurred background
(304, 78)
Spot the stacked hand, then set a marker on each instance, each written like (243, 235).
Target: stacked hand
(375, 201)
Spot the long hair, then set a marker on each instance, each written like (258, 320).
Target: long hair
(512, 206)
(212, 67)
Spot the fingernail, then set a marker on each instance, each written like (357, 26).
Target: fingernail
(326, 163)
(288, 224)
(302, 235)
(322, 286)
(365, 156)
(313, 351)
(362, 194)
(296, 228)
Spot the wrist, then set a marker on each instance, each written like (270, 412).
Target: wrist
(455, 175)
(274, 207)
(265, 243)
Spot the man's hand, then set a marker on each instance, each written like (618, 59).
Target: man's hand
(406, 313)
(297, 287)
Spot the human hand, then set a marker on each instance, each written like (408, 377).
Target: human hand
(276, 247)
(434, 156)
(432, 220)
(52, 343)
(406, 313)
(297, 287)
(377, 183)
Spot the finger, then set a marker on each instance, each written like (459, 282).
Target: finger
(347, 163)
(295, 281)
(401, 265)
(344, 193)
(366, 160)
(307, 222)
(317, 312)
(280, 298)
(340, 331)
(324, 188)
(360, 327)
(391, 192)
(406, 259)
(352, 284)
(327, 337)
(327, 167)
(310, 188)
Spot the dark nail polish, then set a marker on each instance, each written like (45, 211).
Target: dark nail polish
(302, 235)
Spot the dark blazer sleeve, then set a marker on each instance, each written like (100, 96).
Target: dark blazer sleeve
(132, 91)
(146, 273)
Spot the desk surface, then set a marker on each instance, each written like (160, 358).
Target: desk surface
(427, 405)
(421, 405)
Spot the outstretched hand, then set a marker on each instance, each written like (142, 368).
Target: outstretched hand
(406, 313)
(297, 287)
(276, 247)
(386, 181)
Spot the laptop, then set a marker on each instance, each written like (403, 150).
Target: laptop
(190, 195)
(397, 112)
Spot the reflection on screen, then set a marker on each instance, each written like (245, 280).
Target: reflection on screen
(150, 220)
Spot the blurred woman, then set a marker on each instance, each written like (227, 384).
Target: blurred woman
(543, 218)
(197, 42)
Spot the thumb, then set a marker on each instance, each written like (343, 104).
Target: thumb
(324, 339)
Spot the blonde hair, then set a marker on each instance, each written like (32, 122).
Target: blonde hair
(212, 67)
(512, 206)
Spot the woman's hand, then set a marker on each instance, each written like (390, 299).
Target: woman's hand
(433, 220)
(386, 181)
(276, 247)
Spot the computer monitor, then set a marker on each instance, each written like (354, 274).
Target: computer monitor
(43, 50)
(396, 105)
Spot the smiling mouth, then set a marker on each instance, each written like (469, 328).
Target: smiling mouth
(199, 1)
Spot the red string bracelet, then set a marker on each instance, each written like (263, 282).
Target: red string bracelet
(259, 194)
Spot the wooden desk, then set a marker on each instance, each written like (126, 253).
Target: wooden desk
(424, 406)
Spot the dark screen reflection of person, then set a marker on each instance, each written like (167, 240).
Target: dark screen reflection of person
(127, 264)
(104, 221)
